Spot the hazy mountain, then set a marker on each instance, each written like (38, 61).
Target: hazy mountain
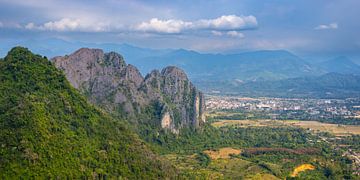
(243, 66)
(49, 130)
(340, 64)
(265, 65)
(209, 71)
(331, 85)
(57, 47)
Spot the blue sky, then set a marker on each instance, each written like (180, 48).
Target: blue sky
(306, 27)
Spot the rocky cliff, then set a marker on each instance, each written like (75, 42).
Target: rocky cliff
(118, 87)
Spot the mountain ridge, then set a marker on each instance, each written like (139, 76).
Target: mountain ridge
(330, 85)
(340, 64)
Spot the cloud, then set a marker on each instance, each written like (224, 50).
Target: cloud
(223, 23)
(154, 25)
(327, 26)
(229, 22)
(30, 26)
(235, 34)
(66, 24)
(217, 33)
(167, 26)
(1, 24)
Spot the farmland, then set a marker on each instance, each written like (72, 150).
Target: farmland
(314, 126)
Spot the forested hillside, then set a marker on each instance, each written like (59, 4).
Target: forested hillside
(49, 130)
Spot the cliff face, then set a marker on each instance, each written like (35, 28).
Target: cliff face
(104, 77)
(112, 84)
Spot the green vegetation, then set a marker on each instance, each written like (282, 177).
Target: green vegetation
(208, 137)
(266, 151)
(288, 146)
(49, 130)
(278, 151)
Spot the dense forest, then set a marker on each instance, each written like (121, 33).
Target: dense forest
(49, 130)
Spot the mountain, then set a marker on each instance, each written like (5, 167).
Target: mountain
(341, 65)
(250, 66)
(330, 85)
(55, 47)
(216, 72)
(49, 130)
(120, 88)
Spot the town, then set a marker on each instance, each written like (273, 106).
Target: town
(336, 111)
(286, 108)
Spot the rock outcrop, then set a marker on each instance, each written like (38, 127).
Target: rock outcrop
(109, 82)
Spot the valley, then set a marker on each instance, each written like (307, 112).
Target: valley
(336, 111)
(264, 152)
(240, 112)
(163, 117)
(179, 90)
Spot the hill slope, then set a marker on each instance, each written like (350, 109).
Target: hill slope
(331, 85)
(340, 65)
(49, 130)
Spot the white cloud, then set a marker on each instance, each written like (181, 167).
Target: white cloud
(229, 22)
(223, 23)
(217, 26)
(66, 24)
(30, 26)
(1, 24)
(327, 26)
(235, 34)
(217, 33)
(164, 26)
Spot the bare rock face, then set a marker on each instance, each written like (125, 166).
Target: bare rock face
(179, 91)
(112, 84)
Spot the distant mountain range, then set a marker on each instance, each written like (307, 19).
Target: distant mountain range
(331, 85)
(250, 66)
(223, 73)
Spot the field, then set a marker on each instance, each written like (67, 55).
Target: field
(223, 166)
(230, 163)
(262, 149)
(223, 153)
(337, 130)
(301, 168)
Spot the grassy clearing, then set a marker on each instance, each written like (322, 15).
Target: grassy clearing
(336, 129)
(223, 153)
(302, 168)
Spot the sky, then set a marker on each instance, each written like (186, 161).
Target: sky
(306, 27)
